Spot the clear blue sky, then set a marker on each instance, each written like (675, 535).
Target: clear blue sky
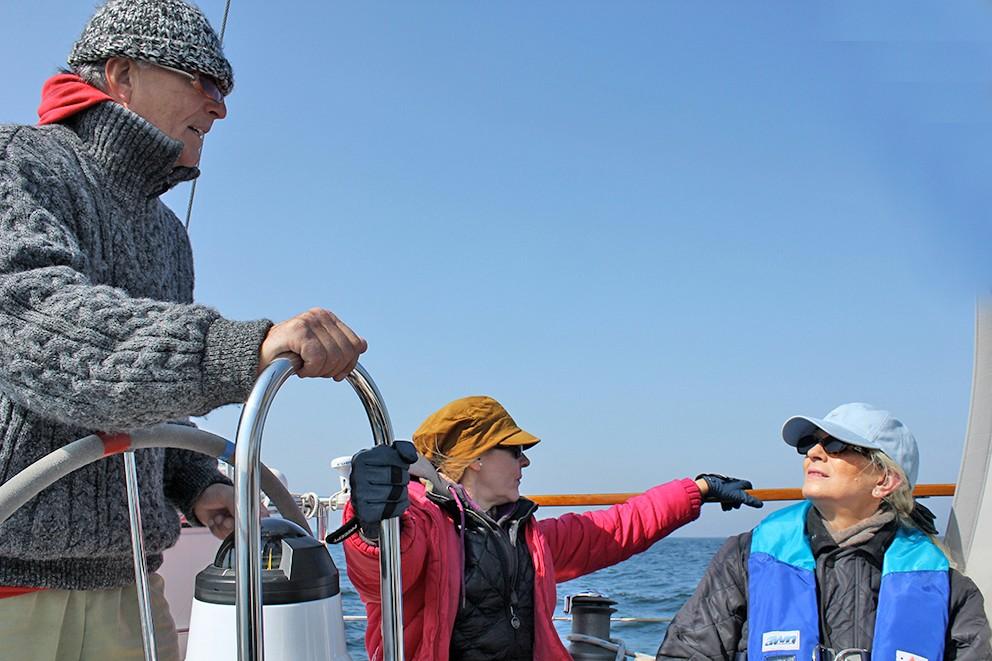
(653, 230)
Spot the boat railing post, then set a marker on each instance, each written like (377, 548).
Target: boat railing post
(246, 516)
(138, 550)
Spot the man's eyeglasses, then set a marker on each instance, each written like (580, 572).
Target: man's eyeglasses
(830, 445)
(206, 85)
(516, 450)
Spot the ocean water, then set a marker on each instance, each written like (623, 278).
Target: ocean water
(653, 584)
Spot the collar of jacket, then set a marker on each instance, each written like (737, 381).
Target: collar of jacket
(503, 516)
(821, 541)
(139, 159)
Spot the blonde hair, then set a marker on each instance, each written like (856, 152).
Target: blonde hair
(901, 500)
(452, 468)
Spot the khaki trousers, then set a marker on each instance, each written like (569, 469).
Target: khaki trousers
(94, 625)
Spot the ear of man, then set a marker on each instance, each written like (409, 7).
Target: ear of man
(119, 73)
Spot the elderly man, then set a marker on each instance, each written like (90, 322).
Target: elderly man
(98, 331)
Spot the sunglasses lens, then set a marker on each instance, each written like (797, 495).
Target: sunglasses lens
(210, 88)
(806, 444)
(833, 446)
(830, 445)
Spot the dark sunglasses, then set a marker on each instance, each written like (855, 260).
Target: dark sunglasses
(516, 450)
(830, 445)
(204, 84)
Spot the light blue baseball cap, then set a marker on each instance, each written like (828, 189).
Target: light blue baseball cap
(865, 426)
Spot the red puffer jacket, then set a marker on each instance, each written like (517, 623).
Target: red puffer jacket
(562, 549)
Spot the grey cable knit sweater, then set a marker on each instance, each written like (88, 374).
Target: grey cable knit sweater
(98, 333)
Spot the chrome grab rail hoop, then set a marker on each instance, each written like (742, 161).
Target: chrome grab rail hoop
(138, 550)
(248, 530)
(390, 573)
(248, 573)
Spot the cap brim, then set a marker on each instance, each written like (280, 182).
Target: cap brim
(522, 438)
(800, 426)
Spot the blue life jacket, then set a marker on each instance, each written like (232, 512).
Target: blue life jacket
(783, 616)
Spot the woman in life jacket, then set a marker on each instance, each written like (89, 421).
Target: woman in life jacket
(852, 573)
(478, 569)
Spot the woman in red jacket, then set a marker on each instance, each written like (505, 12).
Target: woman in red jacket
(479, 571)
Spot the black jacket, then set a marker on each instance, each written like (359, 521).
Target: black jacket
(713, 623)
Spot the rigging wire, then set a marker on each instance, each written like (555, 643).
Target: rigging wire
(192, 190)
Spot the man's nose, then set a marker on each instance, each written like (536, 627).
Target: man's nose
(217, 108)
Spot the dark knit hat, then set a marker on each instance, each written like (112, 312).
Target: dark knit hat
(169, 32)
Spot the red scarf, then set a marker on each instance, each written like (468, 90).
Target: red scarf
(64, 95)
(7, 592)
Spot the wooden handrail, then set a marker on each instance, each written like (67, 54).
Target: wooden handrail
(767, 495)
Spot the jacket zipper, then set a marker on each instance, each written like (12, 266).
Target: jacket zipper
(508, 560)
(510, 565)
(511, 535)
(859, 578)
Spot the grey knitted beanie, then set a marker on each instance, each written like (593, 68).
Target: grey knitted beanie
(170, 32)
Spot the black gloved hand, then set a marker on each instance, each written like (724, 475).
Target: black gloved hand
(378, 484)
(728, 491)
